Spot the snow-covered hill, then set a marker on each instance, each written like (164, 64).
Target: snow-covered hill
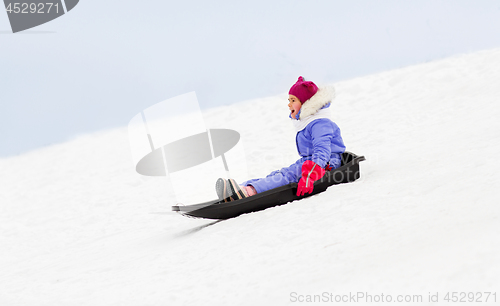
(79, 227)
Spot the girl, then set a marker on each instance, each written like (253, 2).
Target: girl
(318, 139)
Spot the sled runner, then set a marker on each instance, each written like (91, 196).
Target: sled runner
(217, 209)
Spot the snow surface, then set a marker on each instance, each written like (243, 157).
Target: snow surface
(79, 227)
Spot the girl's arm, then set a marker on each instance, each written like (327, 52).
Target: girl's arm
(322, 133)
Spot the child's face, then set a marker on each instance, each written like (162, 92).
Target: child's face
(294, 105)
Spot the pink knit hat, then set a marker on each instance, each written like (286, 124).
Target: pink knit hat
(303, 90)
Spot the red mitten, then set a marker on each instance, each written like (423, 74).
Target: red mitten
(311, 172)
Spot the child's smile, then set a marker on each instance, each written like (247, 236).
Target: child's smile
(294, 105)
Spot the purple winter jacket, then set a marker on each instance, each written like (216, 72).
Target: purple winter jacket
(320, 141)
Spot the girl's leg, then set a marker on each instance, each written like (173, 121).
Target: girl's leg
(249, 190)
(277, 178)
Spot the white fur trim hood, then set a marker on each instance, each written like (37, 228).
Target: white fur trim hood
(322, 97)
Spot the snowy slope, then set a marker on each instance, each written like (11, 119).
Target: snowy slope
(79, 227)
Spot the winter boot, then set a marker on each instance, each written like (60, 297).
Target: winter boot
(236, 190)
(223, 190)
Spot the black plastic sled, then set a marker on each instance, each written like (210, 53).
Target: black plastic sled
(217, 209)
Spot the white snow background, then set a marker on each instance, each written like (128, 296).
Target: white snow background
(78, 226)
